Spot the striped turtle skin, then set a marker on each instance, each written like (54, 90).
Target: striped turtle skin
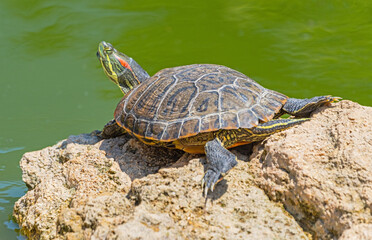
(184, 101)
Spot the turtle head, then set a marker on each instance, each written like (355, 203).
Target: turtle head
(120, 68)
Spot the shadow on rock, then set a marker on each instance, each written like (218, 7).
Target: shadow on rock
(136, 158)
(219, 190)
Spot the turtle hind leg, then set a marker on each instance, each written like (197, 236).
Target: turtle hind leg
(304, 107)
(220, 161)
(111, 130)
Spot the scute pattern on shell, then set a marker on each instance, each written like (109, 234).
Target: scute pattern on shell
(183, 101)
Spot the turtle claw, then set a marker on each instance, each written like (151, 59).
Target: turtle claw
(205, 192)
(212, 187)
(209, 181)
(335, 99)
(329, 99)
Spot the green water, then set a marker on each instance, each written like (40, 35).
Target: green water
(52, 85)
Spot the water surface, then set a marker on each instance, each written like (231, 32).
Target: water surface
(52, 86)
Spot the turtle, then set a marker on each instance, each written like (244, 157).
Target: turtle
(198, 108)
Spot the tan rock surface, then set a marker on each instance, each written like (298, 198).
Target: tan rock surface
(62, 180)
(358, 232)
(322, 170)
(78, 192)
(86, 188)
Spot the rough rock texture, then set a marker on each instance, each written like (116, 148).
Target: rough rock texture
(70, 175)
(322, 170)
(87, 188)
(78, 191)
(358, 232)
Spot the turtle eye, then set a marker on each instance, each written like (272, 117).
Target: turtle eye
(108, 50)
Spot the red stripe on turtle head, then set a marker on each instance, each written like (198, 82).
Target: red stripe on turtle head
(124, 63)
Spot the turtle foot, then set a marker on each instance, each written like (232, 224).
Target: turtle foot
(304, 107)
(111, 130)
(210, 179)
(220, 162)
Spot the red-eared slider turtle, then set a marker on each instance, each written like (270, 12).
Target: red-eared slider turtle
(199, 108)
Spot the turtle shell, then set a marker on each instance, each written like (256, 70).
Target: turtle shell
(183, 101)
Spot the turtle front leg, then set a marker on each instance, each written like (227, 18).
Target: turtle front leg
(220, 161)
(304, 107)
(111, 130)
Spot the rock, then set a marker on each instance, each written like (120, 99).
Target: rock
(322, 170)
(237, 210)
(358, 232)
(62, 180)
(93, 198)
(317, 174)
